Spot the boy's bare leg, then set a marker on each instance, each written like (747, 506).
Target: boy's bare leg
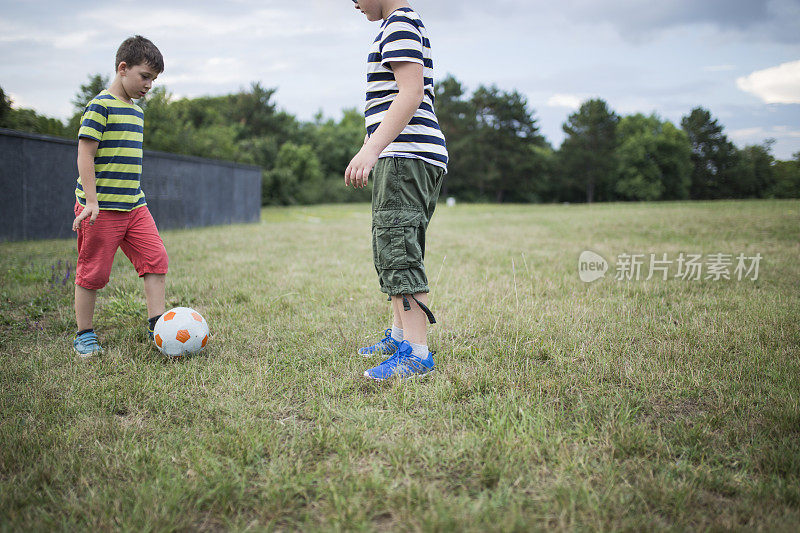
(414, 321)
(397, 312)
(84, 307)
(154, 290)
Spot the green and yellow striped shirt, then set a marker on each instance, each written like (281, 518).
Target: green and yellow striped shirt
(118, 127)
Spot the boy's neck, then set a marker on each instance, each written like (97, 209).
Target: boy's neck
(116, 89)
(390, 6)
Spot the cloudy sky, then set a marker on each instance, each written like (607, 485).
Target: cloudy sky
(738, 58)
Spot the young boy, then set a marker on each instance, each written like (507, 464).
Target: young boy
(110, 210)
(406, 154)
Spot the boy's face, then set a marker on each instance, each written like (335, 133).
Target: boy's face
(136, 80)
(371, 8)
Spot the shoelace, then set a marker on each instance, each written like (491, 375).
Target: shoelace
(393, 360)
(387, 336)
(385, 344)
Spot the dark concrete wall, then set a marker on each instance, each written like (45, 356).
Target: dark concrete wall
(37, 188)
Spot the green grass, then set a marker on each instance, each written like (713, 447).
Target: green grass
(666, 405)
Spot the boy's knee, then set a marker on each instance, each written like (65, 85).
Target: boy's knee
(92, 281)
(156, 262)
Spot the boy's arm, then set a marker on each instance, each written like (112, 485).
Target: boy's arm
(87, 148)
(410, 83)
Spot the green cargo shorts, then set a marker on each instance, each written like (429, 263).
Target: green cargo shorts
(404, 194)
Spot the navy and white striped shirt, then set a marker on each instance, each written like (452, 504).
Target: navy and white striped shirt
(403, 38)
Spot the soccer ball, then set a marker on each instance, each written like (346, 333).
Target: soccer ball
(180, 331)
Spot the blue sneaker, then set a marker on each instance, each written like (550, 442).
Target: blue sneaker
(86, 345)
(402, 364)
(386, 346)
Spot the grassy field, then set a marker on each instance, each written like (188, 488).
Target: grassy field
(556, 404)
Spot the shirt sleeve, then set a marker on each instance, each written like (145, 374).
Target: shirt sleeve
(402, 41)
(93, 121)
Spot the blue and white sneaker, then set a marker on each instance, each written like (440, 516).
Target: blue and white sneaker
(402, 364)
(87, 345)
(385, 346)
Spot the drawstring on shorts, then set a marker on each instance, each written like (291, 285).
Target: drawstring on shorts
(407, 307)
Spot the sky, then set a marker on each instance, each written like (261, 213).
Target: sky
(740, 59)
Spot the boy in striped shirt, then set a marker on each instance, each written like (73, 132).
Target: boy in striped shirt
(405, 153)
(110, 209)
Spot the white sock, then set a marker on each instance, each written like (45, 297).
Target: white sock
(419, 350)
(397, 333)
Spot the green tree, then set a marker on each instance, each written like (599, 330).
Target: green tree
(5, 110)
(457, 119)
(543, 166)
(714, 157)
(244, 127)
(96, 84)
(191, 127)
(87, 91)
(296, 178)
(261, 151)
(258, 114)
(653, 160)
(754, 173)
(335, 143)
(787, 179)
(587, 155)
(505, 131)
(165, 130)
(27, 119)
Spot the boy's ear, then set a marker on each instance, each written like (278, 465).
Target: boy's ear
(122, 68)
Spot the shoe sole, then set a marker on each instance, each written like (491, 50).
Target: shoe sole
(410, 376)
(374, 354)
(89, 355)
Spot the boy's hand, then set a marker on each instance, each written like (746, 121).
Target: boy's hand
(360, 166)
(92, 209)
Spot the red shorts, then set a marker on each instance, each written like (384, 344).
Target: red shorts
(133, 231)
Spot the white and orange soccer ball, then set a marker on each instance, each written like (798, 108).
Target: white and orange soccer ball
(181, 331)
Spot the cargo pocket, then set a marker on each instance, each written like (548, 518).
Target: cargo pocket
(395, 239)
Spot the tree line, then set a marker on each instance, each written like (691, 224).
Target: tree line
(497, 151)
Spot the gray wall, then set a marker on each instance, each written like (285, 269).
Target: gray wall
(37, 188)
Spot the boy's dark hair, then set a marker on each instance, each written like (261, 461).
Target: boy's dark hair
(138, 50)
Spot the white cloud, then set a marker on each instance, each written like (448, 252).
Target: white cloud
(776, 85)
(685, 53)
(16, 101)
(570, 101)
(783, 135)
(197, 24)
(786, 130)
(22, 33)
(746, 134)
(211, 72)
(209, 76)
